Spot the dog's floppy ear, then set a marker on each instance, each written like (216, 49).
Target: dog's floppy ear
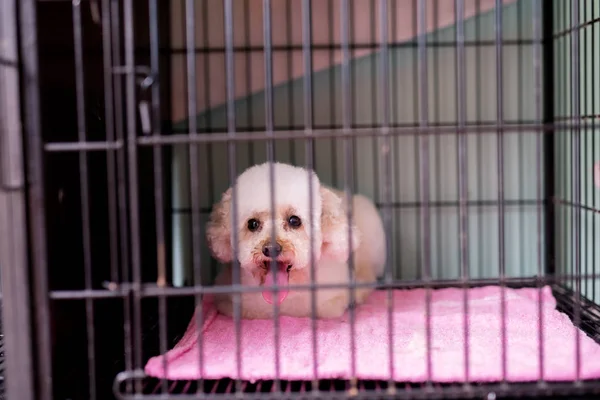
(218, 230)
(334, 226)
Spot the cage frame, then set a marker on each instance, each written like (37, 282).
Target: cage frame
(24, 180)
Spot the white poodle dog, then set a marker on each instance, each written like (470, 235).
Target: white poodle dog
(294, 222)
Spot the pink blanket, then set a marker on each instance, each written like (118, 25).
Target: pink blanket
(409, 343)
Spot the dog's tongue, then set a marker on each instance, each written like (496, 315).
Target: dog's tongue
(282, 279)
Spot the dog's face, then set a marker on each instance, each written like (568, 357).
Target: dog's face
(289, 227)
(296, 219)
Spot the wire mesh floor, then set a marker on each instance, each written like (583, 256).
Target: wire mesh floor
(363, 389)
(333, 389)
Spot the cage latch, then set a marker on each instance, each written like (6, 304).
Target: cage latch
(144, 79)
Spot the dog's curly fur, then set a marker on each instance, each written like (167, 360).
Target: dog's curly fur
(327, 225)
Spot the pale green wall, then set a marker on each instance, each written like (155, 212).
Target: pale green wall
(521, 230)
(589, 145)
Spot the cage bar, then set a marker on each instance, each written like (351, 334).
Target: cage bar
(348, 160)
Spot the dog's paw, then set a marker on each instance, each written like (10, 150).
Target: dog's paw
(333, 308)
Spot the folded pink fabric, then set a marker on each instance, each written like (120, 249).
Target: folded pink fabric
(409, 342)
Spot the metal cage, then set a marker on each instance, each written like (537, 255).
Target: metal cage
(473, 125)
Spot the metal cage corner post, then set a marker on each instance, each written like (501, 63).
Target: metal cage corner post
(14, 254)
(30, 90)
(548, 119)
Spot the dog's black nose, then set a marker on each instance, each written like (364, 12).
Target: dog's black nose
(272, 250)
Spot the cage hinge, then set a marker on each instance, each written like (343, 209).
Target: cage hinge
(11, 169)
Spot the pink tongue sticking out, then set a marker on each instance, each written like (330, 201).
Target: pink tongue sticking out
(282, 283)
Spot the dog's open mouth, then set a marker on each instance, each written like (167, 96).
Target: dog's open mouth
(281, 277)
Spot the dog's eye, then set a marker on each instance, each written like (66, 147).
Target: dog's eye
(253, 225)
(294, 221)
